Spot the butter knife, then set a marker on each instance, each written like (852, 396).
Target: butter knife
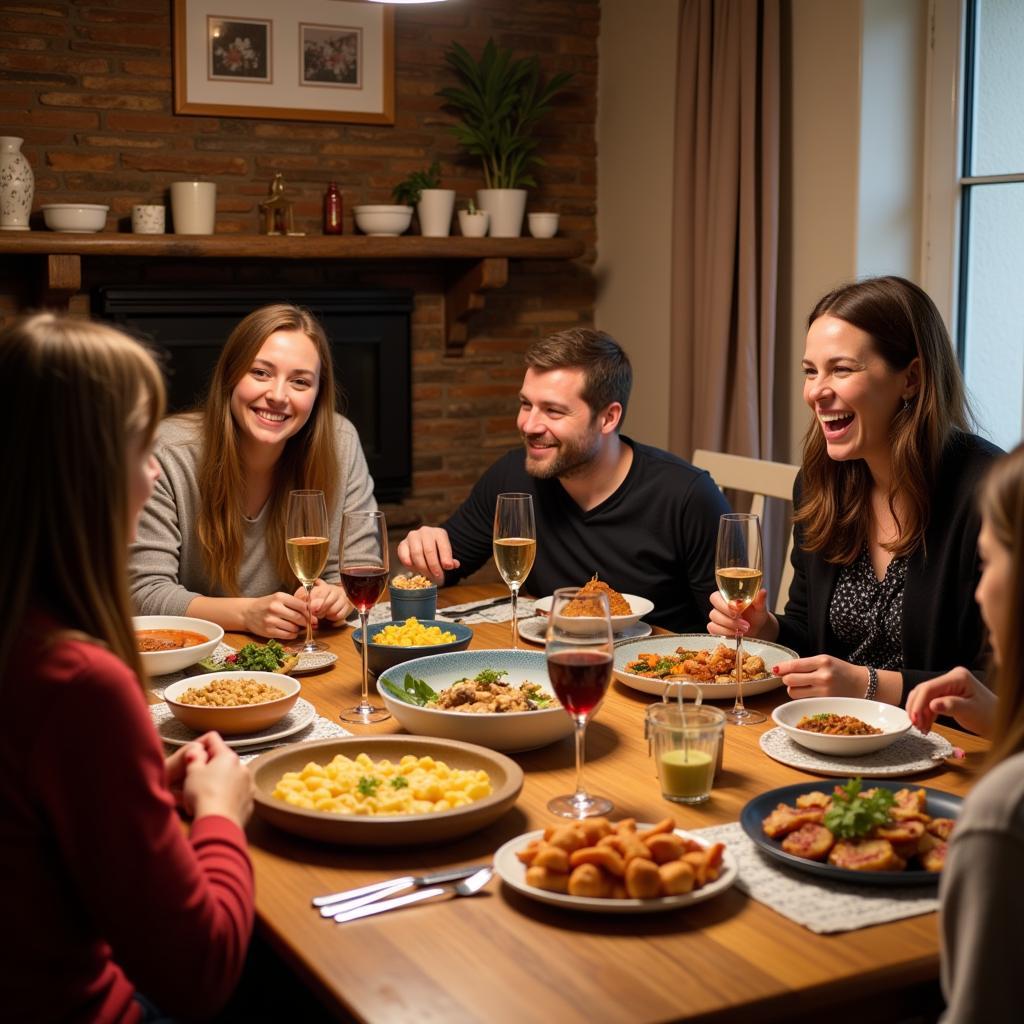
(468, 887)
(378, 890)
(455, 613)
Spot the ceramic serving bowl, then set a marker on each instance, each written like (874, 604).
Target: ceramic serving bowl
(641, 606)
(162, 663)
(232, 721)
(381, 657)
(893, 722)
(382, 220)
(508, 731)
(75, 218)
(390, 830)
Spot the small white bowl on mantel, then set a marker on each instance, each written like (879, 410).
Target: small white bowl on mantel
(893, 722)
(382, 219)
(75, 218)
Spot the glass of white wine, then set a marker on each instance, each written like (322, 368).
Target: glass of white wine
(515, 545)
(307, 545)
(738, 572)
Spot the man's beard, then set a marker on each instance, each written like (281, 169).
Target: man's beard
(571, 457)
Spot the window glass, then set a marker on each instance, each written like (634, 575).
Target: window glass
(997, 146)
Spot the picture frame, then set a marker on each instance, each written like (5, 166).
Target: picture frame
(307, 60)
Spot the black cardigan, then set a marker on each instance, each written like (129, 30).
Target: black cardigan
(942, 626)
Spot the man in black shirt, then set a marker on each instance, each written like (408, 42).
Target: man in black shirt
(644, 520)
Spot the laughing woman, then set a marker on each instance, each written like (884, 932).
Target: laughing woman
(211, 541)
(885, 521)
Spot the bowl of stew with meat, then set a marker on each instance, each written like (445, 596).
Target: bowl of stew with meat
(169, 643)
(841, 726)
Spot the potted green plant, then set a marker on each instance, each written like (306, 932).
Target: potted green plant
(434, 205)
(500, 100)
(473, 222)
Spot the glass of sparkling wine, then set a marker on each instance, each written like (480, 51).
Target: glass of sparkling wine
(307, 546)
(515, 545)
(738, 571)
(363, 563)
(579, 656)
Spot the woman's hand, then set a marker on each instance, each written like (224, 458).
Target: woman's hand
(277, 615)
(176, 766)
(958, 694)
(215, 781)
(755, 621)
(329, 602)
(822, 676)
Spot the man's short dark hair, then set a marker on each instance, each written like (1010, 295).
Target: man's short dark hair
(607, 373)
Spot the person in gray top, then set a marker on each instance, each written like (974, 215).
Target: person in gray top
(211, 539)
(981, 895)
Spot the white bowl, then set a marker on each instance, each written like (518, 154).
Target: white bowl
(75, 218)
(517, 730)
(160, 663)
(543, 225)
(232, 721)
(640, 605)
(382, 220)
(893, 722)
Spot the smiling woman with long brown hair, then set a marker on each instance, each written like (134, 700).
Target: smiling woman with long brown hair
(212, 538)
(885, 521)
(104, 891)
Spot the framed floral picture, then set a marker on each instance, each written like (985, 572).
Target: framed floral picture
(305, 60)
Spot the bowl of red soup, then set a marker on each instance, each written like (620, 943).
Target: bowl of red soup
(169, 643)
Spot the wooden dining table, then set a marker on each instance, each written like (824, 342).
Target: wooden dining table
(502, 957)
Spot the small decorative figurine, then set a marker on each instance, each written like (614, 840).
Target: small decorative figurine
(278, 218)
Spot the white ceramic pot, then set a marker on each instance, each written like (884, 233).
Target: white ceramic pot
(543, 225)
(506, 207)
(435, 211)
(473, 225)
(148, 219)
(194, 207)
(17, 185)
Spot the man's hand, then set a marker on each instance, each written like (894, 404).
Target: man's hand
(428, 551)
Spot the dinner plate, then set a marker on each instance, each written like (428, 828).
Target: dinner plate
(513, 873)
(913, 752)
(314, 661)
(939, 805)
(667, 644)
(640, 606)
(534, 628)
(177, 734)
(393, 829)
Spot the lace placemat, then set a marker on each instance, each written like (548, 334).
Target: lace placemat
(819, 906)
(913, 752)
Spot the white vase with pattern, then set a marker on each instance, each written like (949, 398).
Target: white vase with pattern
(17, 185)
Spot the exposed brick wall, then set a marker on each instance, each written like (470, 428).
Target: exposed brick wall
(89, 88)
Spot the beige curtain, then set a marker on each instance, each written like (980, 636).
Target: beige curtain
(726, 227)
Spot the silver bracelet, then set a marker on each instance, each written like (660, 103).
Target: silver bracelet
(872, 683)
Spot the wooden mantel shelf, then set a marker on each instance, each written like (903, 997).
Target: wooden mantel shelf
(473, 266)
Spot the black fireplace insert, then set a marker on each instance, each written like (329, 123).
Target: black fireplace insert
(369, 336)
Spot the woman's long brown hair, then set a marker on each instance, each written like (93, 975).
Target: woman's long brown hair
(81, 396)
(835, 504)
(1002, 510)
(309, 459)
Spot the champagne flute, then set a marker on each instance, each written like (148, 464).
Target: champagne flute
(515, 545)
(579, 656)
(307, 546)
(738, 571)
(363, 564)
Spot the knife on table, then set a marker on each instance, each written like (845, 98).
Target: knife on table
(466, 610)
(348, 899)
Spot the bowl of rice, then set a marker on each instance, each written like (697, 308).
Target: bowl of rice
(232, 702)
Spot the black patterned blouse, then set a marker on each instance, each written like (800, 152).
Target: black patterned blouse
(867, 613)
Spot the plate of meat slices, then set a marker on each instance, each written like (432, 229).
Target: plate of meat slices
(789, 824)
(707, 661)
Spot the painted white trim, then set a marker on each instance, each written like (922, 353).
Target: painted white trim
(940, 221)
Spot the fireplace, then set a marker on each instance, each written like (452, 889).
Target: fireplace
(368, 331)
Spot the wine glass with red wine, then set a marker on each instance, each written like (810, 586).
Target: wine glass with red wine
(579, 656)
(363, 563)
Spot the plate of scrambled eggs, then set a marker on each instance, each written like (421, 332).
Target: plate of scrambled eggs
(384, 790)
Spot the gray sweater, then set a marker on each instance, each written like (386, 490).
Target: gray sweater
(982, 897)
(165, 564)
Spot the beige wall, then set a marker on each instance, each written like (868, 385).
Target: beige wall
(851, 195)
(636, 100)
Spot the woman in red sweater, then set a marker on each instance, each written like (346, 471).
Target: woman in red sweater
(104, 895)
